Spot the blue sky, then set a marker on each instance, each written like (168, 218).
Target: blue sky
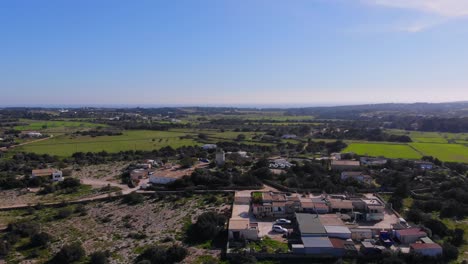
(232, 52)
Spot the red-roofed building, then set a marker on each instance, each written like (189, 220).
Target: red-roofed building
(409, 235)
(426, 249)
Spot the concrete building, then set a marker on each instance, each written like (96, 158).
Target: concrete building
(356, 175)
(55, 175)
(157, 179)
(345, 164)
(242, 228)
(342, 206)
(280, 164)
(338, 231)
(33, 134)
(309, 225)
(373, 209)
(409, 235)
(424, 165)
(426, 249)
(360, 233)
(321, 246)
(373, 162)
(209, 146)
(220, 157)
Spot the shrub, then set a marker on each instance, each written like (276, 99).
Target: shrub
(133, 198)
(64, 213)
(457, 237)
(99, 257)
(40, 239)
(176, 254)
(207, 227)
(450, 252)
(69, 254)
(24, 229)
(81, 210)
(159, 254)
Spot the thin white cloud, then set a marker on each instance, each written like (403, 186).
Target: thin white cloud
(445, 8)
(433, 12)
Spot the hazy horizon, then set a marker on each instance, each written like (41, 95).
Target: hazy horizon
(258, 106)
(305, 52)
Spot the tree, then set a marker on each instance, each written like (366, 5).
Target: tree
(133, 198)
(40, 239)
(176, 253)
(450, 252)
(99, 257)
(261, 163)
(186, 162)
(24, 229)
(207, 227)
(159, 254)
(243, 259)
(240, 137)
(457, 237)
(69, 254)
(397, 202)
(437, 227)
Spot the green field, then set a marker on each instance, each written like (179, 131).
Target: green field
(388, 150)
(445, 152)
(55, 126)
(64, 145)
(432, 137)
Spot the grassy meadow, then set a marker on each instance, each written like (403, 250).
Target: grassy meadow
(444, 146)
(66, 145)
(55, 127)
(388, 150)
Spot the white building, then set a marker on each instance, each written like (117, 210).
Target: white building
(34, 134)
(209, 146)
(242, 228)
(157, 179)
(56, 175)
(220, 157)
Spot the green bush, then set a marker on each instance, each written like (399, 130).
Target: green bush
(40, 239)
(64, 213)
(69, 254)
(99, 257)
(133, 198)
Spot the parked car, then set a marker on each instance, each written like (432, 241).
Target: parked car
(279, 229)
(283, 221)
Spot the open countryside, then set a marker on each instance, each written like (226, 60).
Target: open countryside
(444, 146)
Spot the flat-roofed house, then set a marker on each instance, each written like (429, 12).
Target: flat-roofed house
(338, 231)
(424, 165)
(309, 225)
(356, 175)
(321, 246)
(158, 179)
(242, 228)
(372, 208)
(345, 164)
(338, 205)
(409, 235)
(271, 204)
(375, 162)
(426, 249)
(55, 175)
